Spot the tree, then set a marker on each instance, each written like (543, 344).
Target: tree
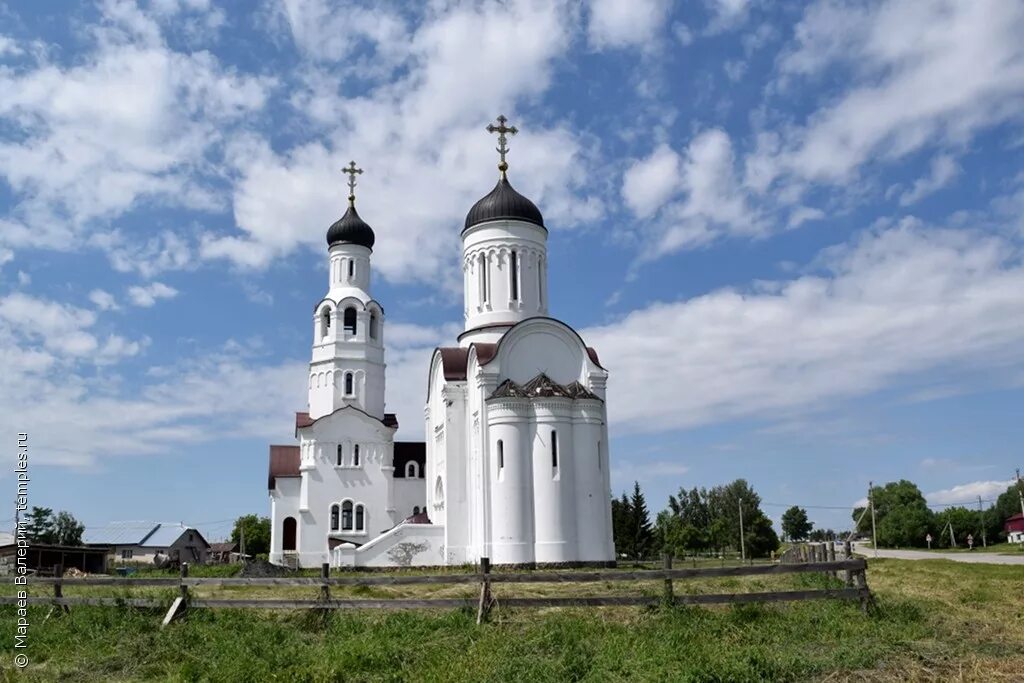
(620, 524)
(67, 530)
(902, 516)
(640, 538)
(759, 536)
(724, 504)
(257, 534)
(964, 521)
(795, 525)
(39, 525)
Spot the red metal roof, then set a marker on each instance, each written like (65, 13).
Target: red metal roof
(1014, 523)
(284, 462)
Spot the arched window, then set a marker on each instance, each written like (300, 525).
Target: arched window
(416, 510)
(373, 325)
(599, 455)
(351, 268)
(290, 531)
(412, 469)
(554, 449)
(341, 455)
(513, 273)
(360, 518)
(439, 490)
(349, 384)
(325, 322)
(350, 320)
(335, 512)
(346, 516)
(501, 454)
(355, 455)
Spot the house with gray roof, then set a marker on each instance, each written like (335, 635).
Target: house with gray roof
(140, 542)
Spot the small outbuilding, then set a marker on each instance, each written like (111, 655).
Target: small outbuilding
(1014, 528)
(44, 558)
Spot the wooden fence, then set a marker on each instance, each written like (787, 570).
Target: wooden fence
(854, 569)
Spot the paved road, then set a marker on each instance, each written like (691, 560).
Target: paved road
(971, 558)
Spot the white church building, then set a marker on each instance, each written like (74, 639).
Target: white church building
(515, 464)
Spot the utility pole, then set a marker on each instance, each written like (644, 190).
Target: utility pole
(874, 530)
(952, 536)
(743, 549)
(241, 540)
(981, 516)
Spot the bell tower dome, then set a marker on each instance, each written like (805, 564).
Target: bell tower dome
(347, 368)
(504, 256)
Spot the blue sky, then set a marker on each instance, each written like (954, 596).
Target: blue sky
(792, 231)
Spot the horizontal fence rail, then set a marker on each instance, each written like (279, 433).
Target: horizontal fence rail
(854, 569)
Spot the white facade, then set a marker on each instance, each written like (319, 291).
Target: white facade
(515, 466)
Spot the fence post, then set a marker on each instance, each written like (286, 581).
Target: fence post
(485, 590)
(325, 589)
(866, 600)
(58, 591)
(848, 555)
(669, 597)
(180, 602)
(830, 552)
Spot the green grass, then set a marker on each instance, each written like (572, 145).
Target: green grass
(935, 620)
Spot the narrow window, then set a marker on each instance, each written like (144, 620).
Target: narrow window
(416, 509)
(346, 516)
(513, 268)
(335, 511)
(554, 449)
(349, 389)
(483, 279)
(351, 268)
(412, 469)
(373, 325)
(355, 455)
(341, 453)
(540, 281)
(599, 456)
(501, 454)
(360, 518)
(350, 321)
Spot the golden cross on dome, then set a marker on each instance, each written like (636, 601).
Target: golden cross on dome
(351, 170)
(501, 129)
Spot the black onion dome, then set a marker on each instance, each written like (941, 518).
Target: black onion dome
(350, 229)
(503, 203)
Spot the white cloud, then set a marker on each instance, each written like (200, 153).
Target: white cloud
(968, 493)
(726, 14)
(715, 203)
(944, 169)
(104, 301)
(38, 335)
(130, 120)
(288, 198)
(148, 295)
(894, 304)
(650, 182)
(623, 24)
(922, 73)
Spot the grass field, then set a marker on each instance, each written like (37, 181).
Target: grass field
(936, 620)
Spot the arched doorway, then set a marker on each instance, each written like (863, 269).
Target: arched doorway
(290, 531)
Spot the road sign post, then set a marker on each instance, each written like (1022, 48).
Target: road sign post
(929, 539)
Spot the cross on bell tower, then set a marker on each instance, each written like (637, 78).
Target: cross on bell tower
(501, 129)
(352, 171)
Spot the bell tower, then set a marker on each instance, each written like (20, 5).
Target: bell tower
(347, 368)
